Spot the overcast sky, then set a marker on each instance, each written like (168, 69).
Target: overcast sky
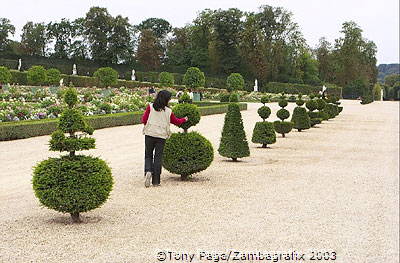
(317, 18)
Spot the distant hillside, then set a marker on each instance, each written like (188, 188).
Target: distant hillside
(387, 69)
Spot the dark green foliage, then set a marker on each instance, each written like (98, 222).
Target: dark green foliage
(234, 97)
(311, 105)
(70, 97)
(283, 127)
(292, 99)
(320, 104)
(166, 79)
(282, 103)
(185, 98)
(291, 88)
(106, 107)
(187, 110)
(300, 119)
(265, 99)
(187, 153)
(314, 118)
(224, 97)
(367, 99)
(194, 78)
(72, 184)
(264, 133)
(340, 109)
(331, 110)
(59, 142)
(71, 120)
(106, 76)
(234, 82)
(5, 75)
(36, 75)
(233, 142)
(264, 112)
(53, 76)
(300, 102)
(283, 114)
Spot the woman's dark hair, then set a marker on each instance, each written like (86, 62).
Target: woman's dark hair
(162, 99)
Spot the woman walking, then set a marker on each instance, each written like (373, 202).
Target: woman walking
(156, 120)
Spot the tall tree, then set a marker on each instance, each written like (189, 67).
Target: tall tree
(324, 56)
(160, 27)
(62, 33)
(6, 29)
(178, 56)
(120, 43)
(34, 39)
(98, 30)
(149, 53)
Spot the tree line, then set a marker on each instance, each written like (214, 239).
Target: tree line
(266, 44)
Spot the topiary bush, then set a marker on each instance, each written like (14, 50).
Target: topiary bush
(331, 110)
(264, 132)
(234, 97)
(53, 76)
(315, 118)
(300, 119)
(224, 97)
(234, 82)
(72, 183)
(5, 75)
(233, 143)
(187, 153)
(166, 79)
(320, 107)
(265, 99)
(283, 127)
(187, 110)
(185, 98)
(106, 76)
(194, 78)
(36, 75)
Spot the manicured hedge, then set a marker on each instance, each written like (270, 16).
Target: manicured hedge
(290, 88)
(27, 129)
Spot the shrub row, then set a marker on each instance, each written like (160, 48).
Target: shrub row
(27, 129)
(289, 88)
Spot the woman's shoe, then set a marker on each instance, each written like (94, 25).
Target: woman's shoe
(148, 179)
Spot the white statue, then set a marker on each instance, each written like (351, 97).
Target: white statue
(74, 72)
(256, 85)
(323, 88)
(19, 64)
(133, 75)
(61, 82)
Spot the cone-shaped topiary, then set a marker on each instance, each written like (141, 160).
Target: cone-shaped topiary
(233, 142)
(315, 119)
(189, 152)
(264, 131)
(73, 183)
(283, 127)
(300, 118)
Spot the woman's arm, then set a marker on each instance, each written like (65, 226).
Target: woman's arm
(177, 121)
(146, 114)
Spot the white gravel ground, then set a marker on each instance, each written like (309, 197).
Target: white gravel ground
(332, 188)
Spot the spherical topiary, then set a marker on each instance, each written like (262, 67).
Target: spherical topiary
(194, 78)
(5, 75)
(235, 81)
(264, 99)
(53, 76)
(233, 142)
(300, 102)
(264, 112)
(187, 110)
(185, 98)
(283, 127)
(264, 133)
(36, 75)
(300, 119)
(283, 114)
(311, 105)
(106, 76)
(282, 103)
(166, 79)
(320, 104)
(75, 183)
(72, 184)
(187, 153)
(234, 97)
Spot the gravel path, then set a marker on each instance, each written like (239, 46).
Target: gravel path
(332, 188)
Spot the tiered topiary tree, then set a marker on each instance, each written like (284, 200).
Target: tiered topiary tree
(187, 153)
(320, 107)
(264, 132)
(300, 118)
(72, 183)
(233, 142)
(331, 109)
(283, 127)
(315, 119)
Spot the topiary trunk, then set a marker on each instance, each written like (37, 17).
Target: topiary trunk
(75, 217)
(234, 159)
(264, 145)
(283, 135)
